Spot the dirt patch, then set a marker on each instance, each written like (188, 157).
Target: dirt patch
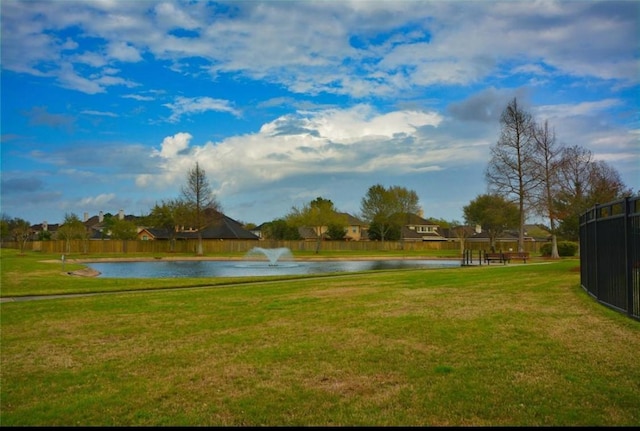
(85, 272)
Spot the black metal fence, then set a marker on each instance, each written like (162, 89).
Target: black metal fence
(610, 254)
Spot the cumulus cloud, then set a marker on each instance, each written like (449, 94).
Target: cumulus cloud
(172, 145)
(332, 141)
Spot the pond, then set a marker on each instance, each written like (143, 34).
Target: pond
(216, 268)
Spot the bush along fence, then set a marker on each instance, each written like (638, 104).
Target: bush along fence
(610, 254)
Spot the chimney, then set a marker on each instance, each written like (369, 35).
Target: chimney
(121, 215)
(45, 226)
(478, 228)
(100, 217)
(86, 217)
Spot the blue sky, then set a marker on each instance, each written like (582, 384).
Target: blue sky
(106, 105)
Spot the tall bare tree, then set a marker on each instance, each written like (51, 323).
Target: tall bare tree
(511, 170)
(548, 161)
(201, 204)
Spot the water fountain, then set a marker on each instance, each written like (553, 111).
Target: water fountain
(272, 255)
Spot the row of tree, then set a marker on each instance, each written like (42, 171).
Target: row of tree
(385, 210)
(72, 228)
(529, 167)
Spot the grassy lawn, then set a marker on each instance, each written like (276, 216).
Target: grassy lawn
(487, 346)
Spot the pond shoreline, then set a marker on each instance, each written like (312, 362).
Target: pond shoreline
(241, 258)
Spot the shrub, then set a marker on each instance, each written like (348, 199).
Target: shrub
(565, 249)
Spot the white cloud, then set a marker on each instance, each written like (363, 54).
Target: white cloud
(173, 145)
(330, 141)
(139, 97)
(92, 59)
(171, 16)
(308, 47)
(99, 201)
(122, 51)
(197, 105)
(561, 111)
(402, 91)
(99, 113)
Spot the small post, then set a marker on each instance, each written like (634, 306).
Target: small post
(62, 259)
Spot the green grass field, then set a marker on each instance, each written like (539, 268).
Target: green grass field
(483, 346)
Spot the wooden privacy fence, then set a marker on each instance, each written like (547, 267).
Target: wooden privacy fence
(610, 254)
(211, 246)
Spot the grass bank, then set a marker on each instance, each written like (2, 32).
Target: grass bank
(489, 346)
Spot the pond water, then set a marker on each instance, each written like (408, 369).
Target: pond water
(214, 268)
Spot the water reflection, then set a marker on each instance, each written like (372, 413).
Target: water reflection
(209, 268)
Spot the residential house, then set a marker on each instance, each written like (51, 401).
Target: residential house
(420, 229)
(225, 228)
(43, 230)
(356, 229)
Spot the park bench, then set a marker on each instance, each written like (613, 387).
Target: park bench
(521, 255)
(495, 257)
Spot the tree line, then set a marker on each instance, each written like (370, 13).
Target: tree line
(530, 169)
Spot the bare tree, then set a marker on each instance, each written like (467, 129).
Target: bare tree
(461, 232)
(583, 183)
(511, 170)
(21, 232)
(548, 163)
(202, 207)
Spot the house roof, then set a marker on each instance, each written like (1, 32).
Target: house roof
(226, 228)
(351, 220)
(413, 234)
(156, 232)
(40, 227)
(307, 232)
